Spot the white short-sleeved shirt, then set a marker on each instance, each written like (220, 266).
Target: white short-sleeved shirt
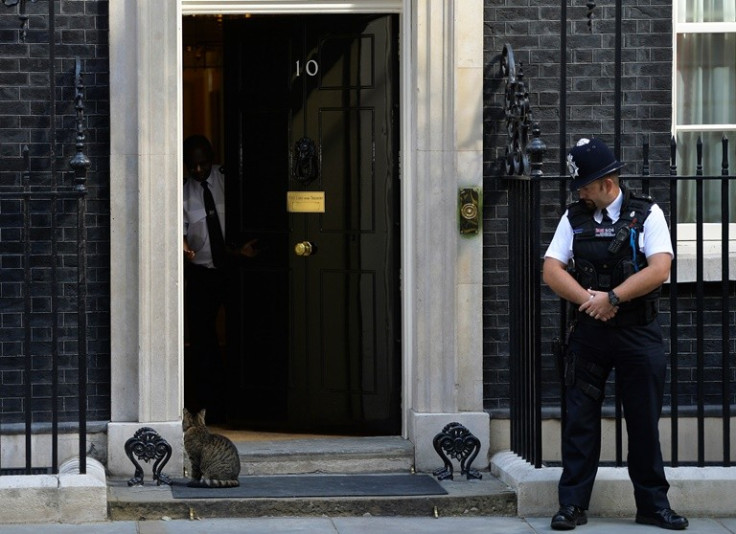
(654, 239)
(195, 215)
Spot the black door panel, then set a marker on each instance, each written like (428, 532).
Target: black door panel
(323, 325)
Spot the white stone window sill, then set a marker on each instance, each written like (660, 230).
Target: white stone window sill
(712, 269)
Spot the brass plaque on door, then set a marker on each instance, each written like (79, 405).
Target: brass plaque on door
(305, 201)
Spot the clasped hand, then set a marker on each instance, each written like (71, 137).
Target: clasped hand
(249, 249)
(598, 306)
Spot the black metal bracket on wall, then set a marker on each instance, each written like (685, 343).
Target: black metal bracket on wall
(146, 444)
(459, 443)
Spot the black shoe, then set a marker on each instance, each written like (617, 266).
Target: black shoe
(664, 518)
(568, 517)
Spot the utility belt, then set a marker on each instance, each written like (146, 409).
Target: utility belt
(640, 314)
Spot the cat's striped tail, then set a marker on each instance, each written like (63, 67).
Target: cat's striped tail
(218, 483)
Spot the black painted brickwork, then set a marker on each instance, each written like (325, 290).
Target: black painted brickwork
(532, 28)
(81, 30)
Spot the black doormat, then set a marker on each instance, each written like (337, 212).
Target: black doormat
(285, 486)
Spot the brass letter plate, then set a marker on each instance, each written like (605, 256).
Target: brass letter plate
(305, 201)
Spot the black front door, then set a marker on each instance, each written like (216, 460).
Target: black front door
(311, 162)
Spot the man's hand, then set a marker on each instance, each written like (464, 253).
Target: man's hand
(598, 306)
(188, 252)
(594, 303)
(248, 249)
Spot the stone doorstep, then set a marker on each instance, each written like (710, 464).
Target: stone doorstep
(317, 455)
(694, 491)
(390, 454)
(464, 497)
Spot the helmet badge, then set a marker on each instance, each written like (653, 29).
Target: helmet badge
(572, 168)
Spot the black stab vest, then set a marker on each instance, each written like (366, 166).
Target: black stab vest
(596, 265)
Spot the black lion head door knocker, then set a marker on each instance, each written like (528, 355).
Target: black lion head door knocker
(304, 167)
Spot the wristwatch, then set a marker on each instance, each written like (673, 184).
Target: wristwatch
(613, 298)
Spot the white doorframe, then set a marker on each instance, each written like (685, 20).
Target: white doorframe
(441, 273)
(291, 7)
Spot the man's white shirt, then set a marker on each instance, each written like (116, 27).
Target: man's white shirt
(195, 215)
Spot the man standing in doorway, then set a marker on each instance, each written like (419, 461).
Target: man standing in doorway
(206, 272)
(609, 256)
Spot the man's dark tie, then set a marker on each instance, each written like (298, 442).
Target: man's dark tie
(606, 219)
(217, 241)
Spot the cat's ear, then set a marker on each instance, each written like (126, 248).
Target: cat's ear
(186, 413)
(200, 415)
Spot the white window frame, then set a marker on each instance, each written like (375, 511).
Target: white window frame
(712, 232)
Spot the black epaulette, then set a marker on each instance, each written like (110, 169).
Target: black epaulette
(635, 209)
(580, 216)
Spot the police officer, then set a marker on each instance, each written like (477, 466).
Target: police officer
(609, 256)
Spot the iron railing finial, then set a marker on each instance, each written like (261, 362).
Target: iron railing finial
(591, 6)
(79, 162)
(536, 150)
(22, 15)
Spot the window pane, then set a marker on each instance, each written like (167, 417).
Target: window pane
(712, 163)
(706, 11)
(706, 78)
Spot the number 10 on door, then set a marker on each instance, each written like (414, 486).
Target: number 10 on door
(311, 68)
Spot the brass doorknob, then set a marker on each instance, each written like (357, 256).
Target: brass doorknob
(304, 248)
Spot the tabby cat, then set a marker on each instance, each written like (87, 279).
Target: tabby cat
(214, 458)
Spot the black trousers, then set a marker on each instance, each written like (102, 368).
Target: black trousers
(637, 354)
(205, 294)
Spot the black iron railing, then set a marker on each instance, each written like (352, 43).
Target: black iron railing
(693, 391)
(44, 260)
(701, 378)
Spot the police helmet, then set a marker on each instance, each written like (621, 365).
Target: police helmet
(589, 160)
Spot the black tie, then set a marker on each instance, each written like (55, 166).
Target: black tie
(606, 219)
(217, 241)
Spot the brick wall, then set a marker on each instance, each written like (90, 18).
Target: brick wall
(532, 27)
(25, 111)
